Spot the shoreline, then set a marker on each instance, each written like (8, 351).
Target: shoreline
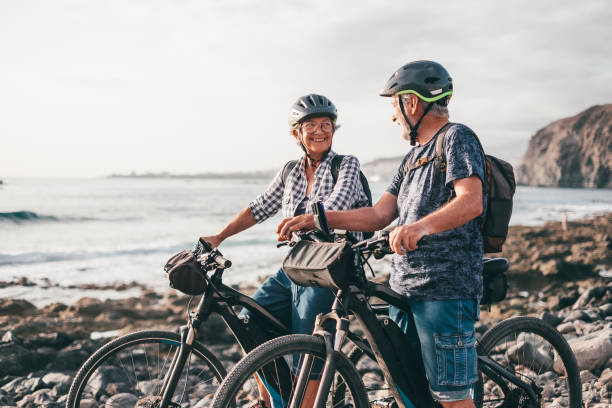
(555, 274)
(536, 254)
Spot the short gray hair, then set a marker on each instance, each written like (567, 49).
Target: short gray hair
(435, 110)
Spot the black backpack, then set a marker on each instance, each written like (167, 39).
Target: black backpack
(500, 187)
(335, 169)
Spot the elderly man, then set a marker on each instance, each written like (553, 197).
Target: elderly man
(443, 198)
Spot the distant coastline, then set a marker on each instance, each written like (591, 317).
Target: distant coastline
(262, 174)
(383, 168)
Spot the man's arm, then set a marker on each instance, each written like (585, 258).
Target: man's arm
(466, 206)
(359, 219)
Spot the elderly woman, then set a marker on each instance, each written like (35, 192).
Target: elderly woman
(312, 123)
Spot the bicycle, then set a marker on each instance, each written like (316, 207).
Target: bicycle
(522, 361)
(147, 368)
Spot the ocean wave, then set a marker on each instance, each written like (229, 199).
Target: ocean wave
(44, 257)
(20, 217)
(35, 257)
(25, 216)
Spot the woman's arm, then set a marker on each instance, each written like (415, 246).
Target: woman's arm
(263, 207)
(243, 220)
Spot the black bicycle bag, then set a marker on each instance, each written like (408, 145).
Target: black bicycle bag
(494, 280)
(320, 264)
(184, 273)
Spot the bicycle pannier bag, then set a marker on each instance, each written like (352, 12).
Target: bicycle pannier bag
(320, 264)
(494, 281)
(184, 273)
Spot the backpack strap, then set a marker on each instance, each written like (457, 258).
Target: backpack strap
(335, 166)
(438, 158)
(335, 170)
(286, 170)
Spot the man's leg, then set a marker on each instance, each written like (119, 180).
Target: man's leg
(447, 339)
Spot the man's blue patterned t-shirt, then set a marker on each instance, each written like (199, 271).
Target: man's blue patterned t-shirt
(449, 265)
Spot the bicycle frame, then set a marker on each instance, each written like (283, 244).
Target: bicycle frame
(407, 382)
(219, 298)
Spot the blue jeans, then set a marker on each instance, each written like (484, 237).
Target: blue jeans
(444, 332)
(295, 306)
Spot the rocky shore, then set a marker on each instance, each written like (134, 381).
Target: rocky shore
(561, 272)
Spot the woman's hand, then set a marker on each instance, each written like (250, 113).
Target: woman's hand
(304, 222)
(214, 240)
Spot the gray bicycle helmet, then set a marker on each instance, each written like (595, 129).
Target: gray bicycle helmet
(428, 80)
(312, 105)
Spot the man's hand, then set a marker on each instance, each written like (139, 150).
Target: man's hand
(406, 237)
(304, 222)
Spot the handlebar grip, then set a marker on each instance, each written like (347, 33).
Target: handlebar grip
(226, 263)
(205, 245)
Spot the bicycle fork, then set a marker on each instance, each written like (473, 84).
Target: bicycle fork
(176, 367)
(331, 347)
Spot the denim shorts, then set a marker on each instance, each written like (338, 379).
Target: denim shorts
(444, 332)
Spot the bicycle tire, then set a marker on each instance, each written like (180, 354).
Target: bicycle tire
(519, 344)
(100, 379)
(275, 353)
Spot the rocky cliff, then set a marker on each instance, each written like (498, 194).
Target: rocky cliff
(571, 152)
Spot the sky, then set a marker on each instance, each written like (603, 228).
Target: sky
(93, 87)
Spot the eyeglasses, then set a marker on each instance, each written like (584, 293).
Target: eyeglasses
(312, 126)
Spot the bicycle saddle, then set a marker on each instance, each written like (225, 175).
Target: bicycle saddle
(494, 265)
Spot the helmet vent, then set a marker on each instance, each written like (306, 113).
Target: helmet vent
(312, 101)
(393, 86)
(431, 80)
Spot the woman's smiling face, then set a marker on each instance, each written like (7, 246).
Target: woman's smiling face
(316, 135)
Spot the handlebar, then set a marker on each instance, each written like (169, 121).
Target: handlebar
(210, 258)
(379, 244)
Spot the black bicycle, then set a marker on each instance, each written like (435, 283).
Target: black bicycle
(522, 361)
(155, 368)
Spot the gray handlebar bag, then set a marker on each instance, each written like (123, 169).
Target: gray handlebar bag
(320, 264)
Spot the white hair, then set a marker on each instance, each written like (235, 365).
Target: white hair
(435, 110)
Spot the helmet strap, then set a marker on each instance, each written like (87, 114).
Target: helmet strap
(413, 129)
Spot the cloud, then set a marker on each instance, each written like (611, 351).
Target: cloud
(150, 78)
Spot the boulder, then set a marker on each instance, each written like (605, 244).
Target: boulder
(60, 382)
(71, 357)
(22, 386)
(56, 340)
(14, 359)
(18, 307)
(592, 351)
(527, 353)
(40, 398)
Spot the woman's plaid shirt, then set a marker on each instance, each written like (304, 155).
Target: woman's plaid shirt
(347, 193)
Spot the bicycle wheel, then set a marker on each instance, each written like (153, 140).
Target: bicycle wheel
(537, 354)
(129, 371)
(275, 366)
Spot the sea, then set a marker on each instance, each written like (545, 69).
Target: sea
(63, 235)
